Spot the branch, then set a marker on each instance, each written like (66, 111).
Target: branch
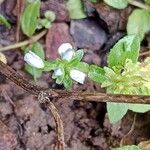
(59, 126)
(12, 75)
(24, 43)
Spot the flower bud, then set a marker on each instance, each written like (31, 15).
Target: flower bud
(77, 75)
(66, 51)
(33, 60)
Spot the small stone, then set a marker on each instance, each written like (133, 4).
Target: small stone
(87, 33)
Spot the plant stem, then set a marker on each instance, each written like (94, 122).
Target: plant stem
(139, 4)
(24, 43)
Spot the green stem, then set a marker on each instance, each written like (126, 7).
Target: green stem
(139, 4)
(24, 43)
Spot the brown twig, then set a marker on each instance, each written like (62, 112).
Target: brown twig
(81, 96)
(44, 98)
(59, 126)
(37, 91)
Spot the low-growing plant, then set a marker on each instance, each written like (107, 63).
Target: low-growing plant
(123, 75)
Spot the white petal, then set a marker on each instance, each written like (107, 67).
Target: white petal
(63, 48)
(68, 54)
(33, 60)
(77, 75)
(58, 72)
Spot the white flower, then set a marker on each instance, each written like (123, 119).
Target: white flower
(33, 60)
(58, 72)
(77, 75)
(66, 51)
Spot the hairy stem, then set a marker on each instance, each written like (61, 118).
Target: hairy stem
(24, 43)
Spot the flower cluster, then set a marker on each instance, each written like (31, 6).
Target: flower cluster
(67, 54)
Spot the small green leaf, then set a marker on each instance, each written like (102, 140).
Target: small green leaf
(36, 73)
(44, 23)
(50, 15)
(140, 108)
(116, 111)
(82, 66)
(4, 21)
(126, 48)
(129, 147)
(139, 23)
(77, 57)
(37, 49)
(119, 4)
(60, 79)
(68, 83)
(49, 65)
(96, 74)
(75, 8)
(29, 20)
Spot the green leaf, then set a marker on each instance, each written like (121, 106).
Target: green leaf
(82, 66)
(96, 74)
(120, 4)
(131, 147)
(77, 57)
(140, 108)
(29, 19)
(126, 48)
(116, 111)
(68, 83)
(139, 23)
(44, 23)
(50, 65)
(4, 21)
(36, 73)
(37, 49)
(75, 8)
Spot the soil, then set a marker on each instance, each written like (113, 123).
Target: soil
(27, 125)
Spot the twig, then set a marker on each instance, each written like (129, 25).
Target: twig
(24, 43)
(59, 126)
(139, 4)
(12, 75)
(44, 98)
